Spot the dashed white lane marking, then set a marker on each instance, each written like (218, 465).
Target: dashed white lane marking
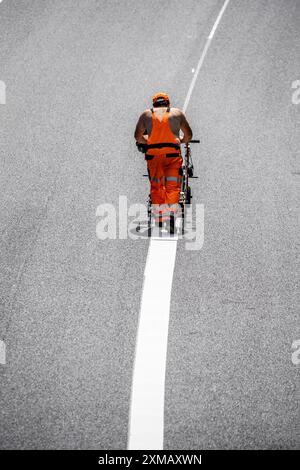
(211, 34)
(2, 352)
(146, 417)
(202, 57)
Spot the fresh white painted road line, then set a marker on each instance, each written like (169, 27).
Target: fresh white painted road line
(147, 398)
(146, 416)
(2, 352)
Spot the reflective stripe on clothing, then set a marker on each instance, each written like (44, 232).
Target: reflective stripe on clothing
(156, 180)
(173, 178)
(165, 179)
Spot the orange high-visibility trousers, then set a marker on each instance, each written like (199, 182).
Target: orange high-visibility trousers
(165, 182)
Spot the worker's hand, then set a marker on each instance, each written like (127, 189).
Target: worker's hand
(141, 147)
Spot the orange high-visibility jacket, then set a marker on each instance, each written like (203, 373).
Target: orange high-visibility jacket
(162, 133)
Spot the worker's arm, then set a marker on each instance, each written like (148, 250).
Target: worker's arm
(140, 129)
(185, 128)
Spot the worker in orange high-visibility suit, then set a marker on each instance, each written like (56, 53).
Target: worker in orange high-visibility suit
(159, 129)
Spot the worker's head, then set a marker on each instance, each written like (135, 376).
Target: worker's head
(160, 100)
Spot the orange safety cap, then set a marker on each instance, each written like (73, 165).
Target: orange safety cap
(160, 96)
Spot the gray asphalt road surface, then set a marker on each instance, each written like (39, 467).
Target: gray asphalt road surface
(77, 75)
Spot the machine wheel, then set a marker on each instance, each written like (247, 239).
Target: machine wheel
(182, 218)
(188, 195)
(149, 222)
